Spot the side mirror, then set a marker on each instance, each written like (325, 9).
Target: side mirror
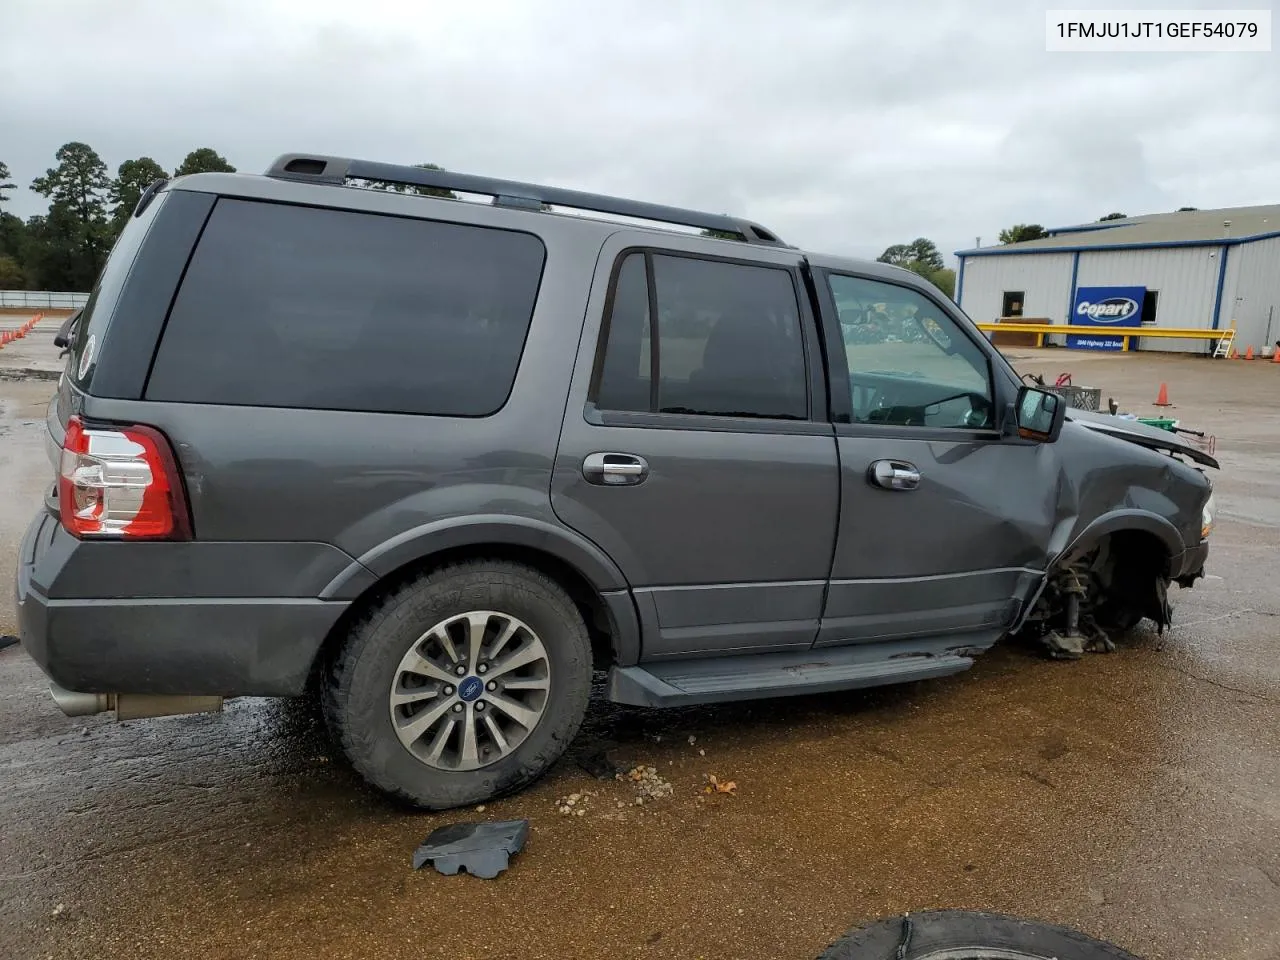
(1040, 414)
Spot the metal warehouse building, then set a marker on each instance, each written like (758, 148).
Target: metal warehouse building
(1196, 269)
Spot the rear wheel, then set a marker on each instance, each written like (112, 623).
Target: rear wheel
(461, 686)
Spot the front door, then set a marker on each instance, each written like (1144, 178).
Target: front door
(944, 523)
(696, 449)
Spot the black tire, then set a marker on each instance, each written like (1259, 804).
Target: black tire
(949, 933)
(359, 677)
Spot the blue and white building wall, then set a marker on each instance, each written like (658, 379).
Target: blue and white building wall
(1201, 285)
(1044, 278)
(1253, 291)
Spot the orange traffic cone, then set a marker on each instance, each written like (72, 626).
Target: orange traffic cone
(1248, 354)
(1275, 355)
(1162, 399)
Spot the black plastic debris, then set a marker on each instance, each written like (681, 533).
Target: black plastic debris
(935, 933)
(7, 641)
(480, 849)
(601, 765)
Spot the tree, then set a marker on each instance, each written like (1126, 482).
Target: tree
(433, 191)
(13, 234)
(413, 188)
(11, 275)
(75, 233)
(1113, 216)
(204, 160)
(944, 280)
(920, 256)
(132, 178)
(5, 183)
(1187, 209)
(1022, 231)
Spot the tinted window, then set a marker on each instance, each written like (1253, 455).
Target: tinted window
(96, 314)
(729, 341)
(326, 309)
(910, 364)
(625, 374)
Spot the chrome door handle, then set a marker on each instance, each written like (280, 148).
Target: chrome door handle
(614, 469)
(894, 475)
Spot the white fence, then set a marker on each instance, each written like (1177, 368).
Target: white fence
(37, 299)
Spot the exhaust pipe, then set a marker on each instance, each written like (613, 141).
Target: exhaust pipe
(130, 706)
(75, 704)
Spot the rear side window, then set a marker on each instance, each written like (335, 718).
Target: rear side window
(286, 306)
(728, 335)
(95, 317)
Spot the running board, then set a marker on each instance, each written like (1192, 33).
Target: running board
(678, 683)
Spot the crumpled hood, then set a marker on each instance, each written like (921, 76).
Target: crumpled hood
(1140, 433)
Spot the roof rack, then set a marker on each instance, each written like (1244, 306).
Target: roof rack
(311, 168)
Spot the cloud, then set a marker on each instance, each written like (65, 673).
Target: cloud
(844, 126)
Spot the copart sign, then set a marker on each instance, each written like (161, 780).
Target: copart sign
(1101, 307)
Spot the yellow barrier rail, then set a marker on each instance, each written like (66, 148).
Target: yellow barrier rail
(1065, 329)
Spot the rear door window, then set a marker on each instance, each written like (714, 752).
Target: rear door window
(728, 335)
(289, 306)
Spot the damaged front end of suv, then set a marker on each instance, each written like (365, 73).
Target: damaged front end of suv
(1135, 512)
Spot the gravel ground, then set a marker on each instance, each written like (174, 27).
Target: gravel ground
(1134, 795)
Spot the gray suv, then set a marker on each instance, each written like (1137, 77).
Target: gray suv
(343, 429)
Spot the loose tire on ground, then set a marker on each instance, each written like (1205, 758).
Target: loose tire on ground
(367, 671)
(967, 935)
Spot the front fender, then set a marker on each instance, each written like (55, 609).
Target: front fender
(1093, 534)
(1113, 522)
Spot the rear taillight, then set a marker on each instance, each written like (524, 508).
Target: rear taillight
(120, 483)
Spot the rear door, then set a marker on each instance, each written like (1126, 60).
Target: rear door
(944, 522)
(696, 449)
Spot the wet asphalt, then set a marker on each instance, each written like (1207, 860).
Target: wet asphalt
(1134, 795)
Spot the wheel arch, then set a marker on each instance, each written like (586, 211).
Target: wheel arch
(1145, 530)
(594, 583)
(1139, 533)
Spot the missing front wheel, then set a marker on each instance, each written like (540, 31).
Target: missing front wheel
(1086, 604)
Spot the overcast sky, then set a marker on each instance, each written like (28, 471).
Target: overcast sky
(845, 125)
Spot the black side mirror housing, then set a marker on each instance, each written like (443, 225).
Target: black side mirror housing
(63, 337)
(1039, 414)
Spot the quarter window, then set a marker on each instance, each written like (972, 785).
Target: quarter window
(910, 364)
(287, 306)
(728, 340)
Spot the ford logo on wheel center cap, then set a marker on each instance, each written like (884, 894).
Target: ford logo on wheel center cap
(471, 688)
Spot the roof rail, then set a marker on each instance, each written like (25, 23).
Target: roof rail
(312, 168)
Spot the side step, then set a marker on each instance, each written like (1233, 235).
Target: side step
(678, 683)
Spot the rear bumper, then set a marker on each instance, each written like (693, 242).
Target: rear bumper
(206, 646)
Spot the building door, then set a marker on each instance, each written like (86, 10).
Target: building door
(1148, 315)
